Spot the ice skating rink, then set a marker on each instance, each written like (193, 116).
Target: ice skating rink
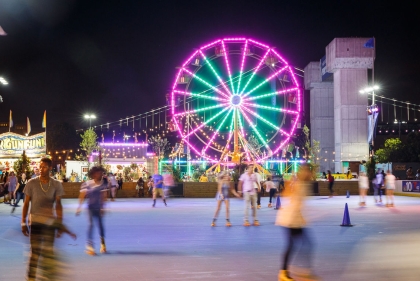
(178, 243)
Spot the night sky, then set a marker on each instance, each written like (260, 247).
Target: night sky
(118, 58)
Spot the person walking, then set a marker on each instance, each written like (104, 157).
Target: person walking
(96, 191)
(292, 220)
(246, 187)
(19, 190)
(330, 179)
(158, 189)
(271, 189)
(113, 182)
(43, 198)
(223, 189)
(12, 187)
(363, 187)
(390, 187)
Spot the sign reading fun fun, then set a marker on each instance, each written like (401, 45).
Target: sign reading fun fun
(13, 145)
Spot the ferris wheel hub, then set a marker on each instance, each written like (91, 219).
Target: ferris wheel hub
(236, 100)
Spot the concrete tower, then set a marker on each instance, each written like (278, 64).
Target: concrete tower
(321, 113)
(338, 112)
(349, 61)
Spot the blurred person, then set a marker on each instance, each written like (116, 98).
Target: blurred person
(140, 187)
(349, 175)
(150, 185)
(271, 189)
(203, 178)
(324, 176)
(158, 188)
(291, 218)
(95, 190)
(246, 186)
(12, 187)
(223, 188)
(113, 182)
(330, 180)
(418, 174)
(19, 190)
(168, 181)
(409, 173)
(363, 187)
(43, 197)
(35, 174)
(377, 185)
(258, 187)
(390, 187)
(120, 182)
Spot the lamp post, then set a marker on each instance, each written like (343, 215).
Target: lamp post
(90, 117)
(372, 110)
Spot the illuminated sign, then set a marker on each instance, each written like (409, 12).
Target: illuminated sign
(12, 145)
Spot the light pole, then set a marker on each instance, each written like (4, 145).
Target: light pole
(4, 83)
(90, 117)
(373, 110)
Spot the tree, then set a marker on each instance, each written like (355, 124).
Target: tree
(22, 165)
(311, 151)
(89, 145)
(159, 145)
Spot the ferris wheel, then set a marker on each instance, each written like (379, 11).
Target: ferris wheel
(235, 98)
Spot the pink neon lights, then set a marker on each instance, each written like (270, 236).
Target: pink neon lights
(143, 144)
(209, 110)
(266, 80)
(255, 71)
(242, 64)
(203, 81)
(227, 65)
(270, 94)
(215, 73)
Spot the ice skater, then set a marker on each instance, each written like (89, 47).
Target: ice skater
(246, 186)
(363, 187)
(96, 191)
(271, 189)
(390, 187)
(292, 220)
(222, 195)
(377, 186)
(158, 189)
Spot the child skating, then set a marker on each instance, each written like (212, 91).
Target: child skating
(222, 195)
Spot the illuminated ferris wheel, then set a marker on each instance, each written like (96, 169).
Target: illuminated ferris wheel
(235, 98)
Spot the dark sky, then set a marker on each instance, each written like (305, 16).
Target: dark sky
(118, 58)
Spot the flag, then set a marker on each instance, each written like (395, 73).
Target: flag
(2, 32)
(10, 120)
(370, 43)
(28, 126)
(44, 120)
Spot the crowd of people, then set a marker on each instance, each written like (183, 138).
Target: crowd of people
(42, 200)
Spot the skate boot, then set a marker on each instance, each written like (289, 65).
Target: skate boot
(259, 207)
(246, 223)
(213, 223)
(103, 246)
(284, 276)
(228, 223)
(269, 205)
(256, 223)
(90, 250)
(164, 201)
